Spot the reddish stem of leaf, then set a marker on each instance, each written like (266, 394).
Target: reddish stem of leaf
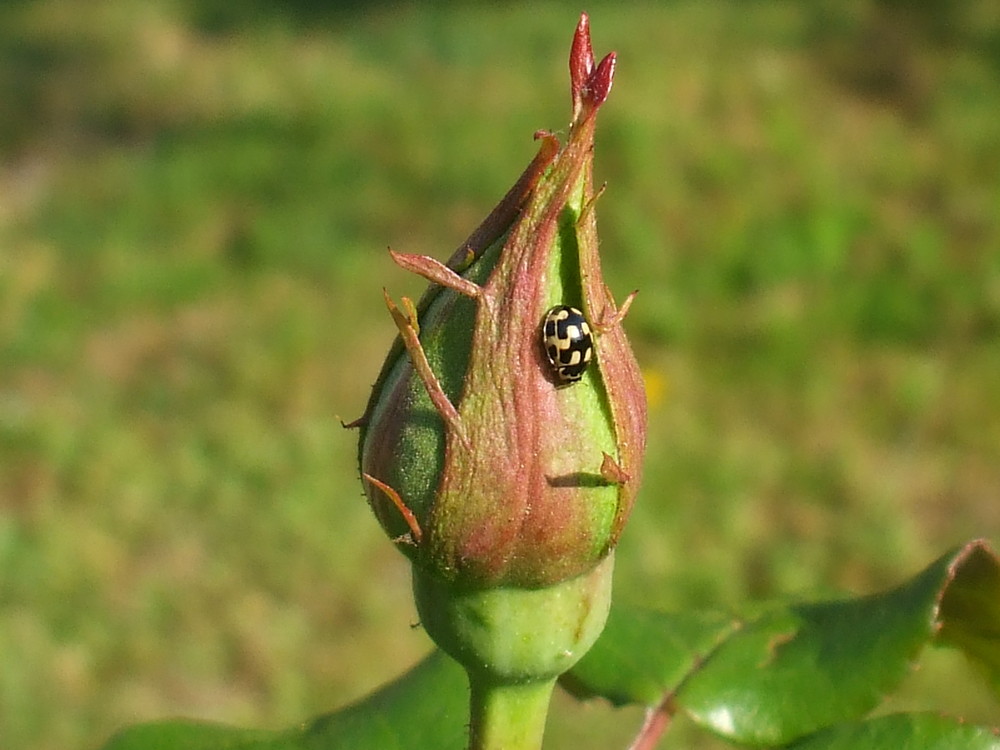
(653, 726)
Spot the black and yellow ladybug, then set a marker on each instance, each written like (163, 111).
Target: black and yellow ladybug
(568, 343)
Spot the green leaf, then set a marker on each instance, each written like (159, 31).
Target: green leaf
(970, 611)
(181, 734)
(643, 654)
(902, 732)
(425, 708)
(800, 672)
(797, 668)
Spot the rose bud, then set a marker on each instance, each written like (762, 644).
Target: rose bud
(502, 446)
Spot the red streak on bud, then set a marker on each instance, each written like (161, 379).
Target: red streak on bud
(411, 520)
(435, 271)
(407, 327)
(612, 472)
(610, 317)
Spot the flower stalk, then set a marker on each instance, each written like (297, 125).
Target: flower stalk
(508, 717)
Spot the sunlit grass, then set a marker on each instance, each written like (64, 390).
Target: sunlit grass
(194, 207)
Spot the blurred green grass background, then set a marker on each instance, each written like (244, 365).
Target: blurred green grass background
(195, 200)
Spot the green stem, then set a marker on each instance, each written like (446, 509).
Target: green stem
(508, 717)
(514, 643)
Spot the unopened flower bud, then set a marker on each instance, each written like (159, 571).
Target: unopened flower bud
(503, 444)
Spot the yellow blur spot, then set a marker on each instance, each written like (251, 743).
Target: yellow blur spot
(656, 387)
